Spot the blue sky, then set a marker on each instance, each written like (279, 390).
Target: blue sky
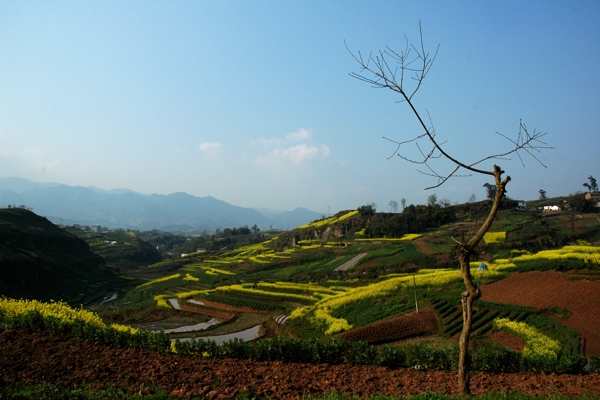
(251, 102)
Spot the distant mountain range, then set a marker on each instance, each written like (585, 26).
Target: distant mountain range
(123, 208)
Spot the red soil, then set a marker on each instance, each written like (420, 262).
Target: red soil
(41, 357)
(223, 315)
(544, 290)
(508, 340)
(422, 244)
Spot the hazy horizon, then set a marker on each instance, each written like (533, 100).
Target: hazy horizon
(251, 102)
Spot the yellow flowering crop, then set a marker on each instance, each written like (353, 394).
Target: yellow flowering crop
(216, 271)
(494, 237)
(348, 215)
(192, 293)
(587, 254)
(124, 328)
(191, 278)
(329, 324)
(538, 344)
(60, 310)
(258, 260)
(161, 300)
(250, 291)
(328, 221)
(164, 278)
(410, 236)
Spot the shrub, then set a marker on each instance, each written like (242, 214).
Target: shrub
(570, 364)
(496, 359)
(362, 353)
(332, 351)
(426, 357)
(595, 363)
(392, 357)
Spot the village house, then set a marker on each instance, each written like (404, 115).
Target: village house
(592, 196)
(550, 209)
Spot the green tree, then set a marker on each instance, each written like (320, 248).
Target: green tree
(403, 201)
(593, 185)
(432, 199)
(367, 209)
(445, 202)
(490, 190)
(403, 73)
(542, 193)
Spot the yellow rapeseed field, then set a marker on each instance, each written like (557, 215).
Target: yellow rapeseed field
(494, 237)
(60, 310)
(164, 278)
(538, 344)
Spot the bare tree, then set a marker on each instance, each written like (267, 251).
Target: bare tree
(393, 205)
(404, 72)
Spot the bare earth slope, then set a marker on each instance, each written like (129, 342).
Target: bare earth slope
(38, 357)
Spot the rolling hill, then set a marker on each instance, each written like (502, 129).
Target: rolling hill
(39, 260)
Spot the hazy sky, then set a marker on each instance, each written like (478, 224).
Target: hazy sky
(251, 102)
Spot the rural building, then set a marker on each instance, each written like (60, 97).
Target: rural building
(593, 196)
(554, 208)
(521, 205)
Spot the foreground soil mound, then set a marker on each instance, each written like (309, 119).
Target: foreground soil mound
(41, 357)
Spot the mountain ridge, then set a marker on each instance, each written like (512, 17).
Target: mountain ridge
(124, 208)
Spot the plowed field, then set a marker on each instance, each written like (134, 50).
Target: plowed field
(40, 357)
(544, 290)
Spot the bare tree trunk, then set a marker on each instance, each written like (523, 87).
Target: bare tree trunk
(473, 292)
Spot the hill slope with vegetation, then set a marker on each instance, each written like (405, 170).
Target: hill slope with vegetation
(39, 260)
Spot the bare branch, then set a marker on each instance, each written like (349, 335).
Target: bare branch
(388, 70)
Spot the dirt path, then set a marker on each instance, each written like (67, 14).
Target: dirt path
(40, 357)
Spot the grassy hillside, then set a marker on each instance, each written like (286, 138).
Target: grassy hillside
(39, 260)
(123, 250)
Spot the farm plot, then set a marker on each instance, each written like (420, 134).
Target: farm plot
(544, 290)
(204, 310)
(404, 327)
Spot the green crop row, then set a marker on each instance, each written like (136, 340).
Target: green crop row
(364, 312)
(239, 302)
